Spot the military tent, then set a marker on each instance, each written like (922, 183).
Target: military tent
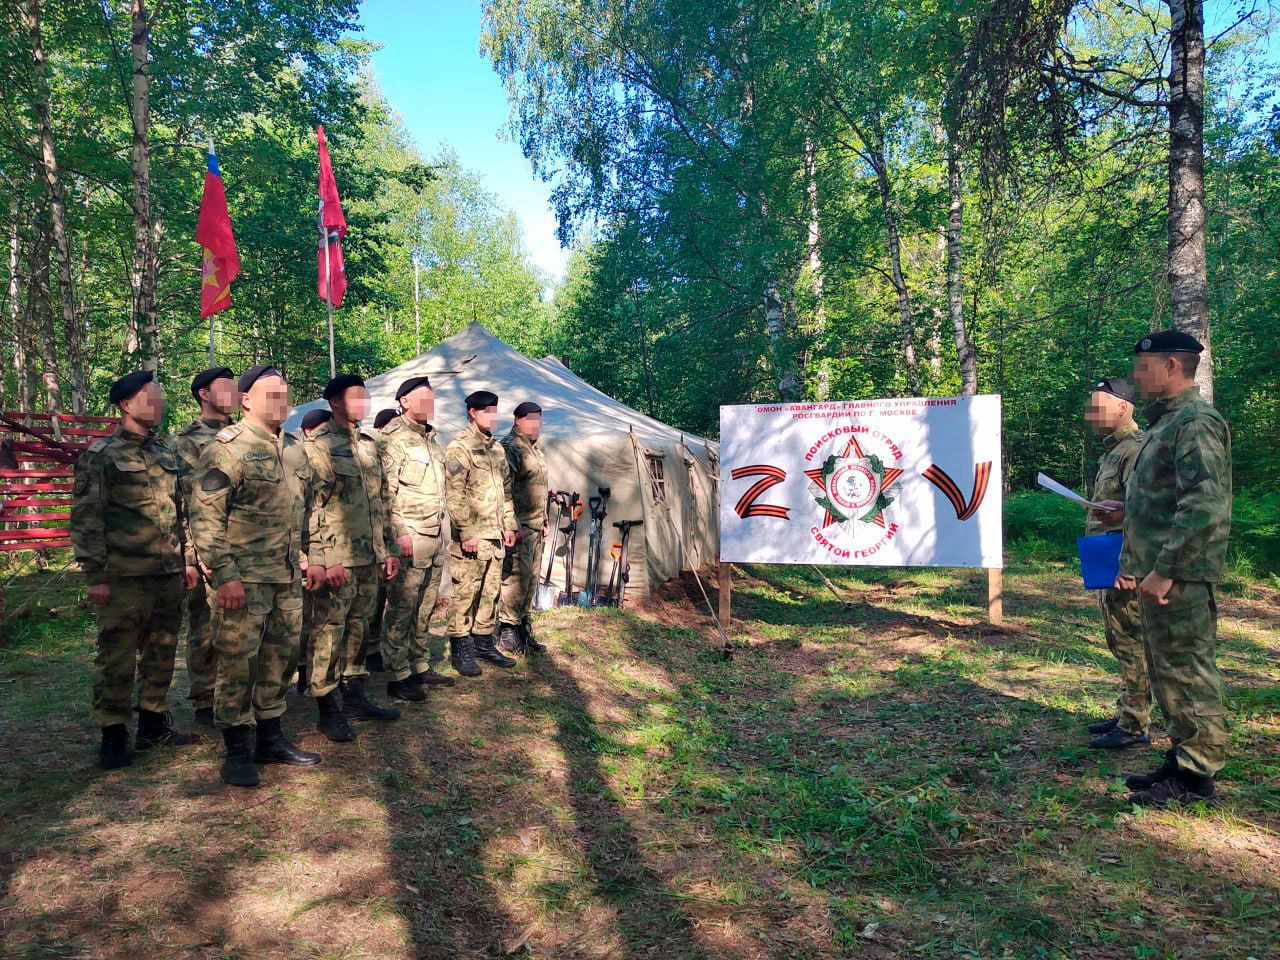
(657, 474)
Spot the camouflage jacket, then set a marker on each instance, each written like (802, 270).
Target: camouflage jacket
(413, 465)
(127, 514)
(1115, 467)
(528, 468)
(347, 524)
(478, 487)
(1178, 502)
(249, 509)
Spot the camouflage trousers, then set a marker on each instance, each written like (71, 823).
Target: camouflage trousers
(477, 581)
(520, 577)
(1122, 623)
(408, 646)
(137, 643)
(1181, 637)
(377, 622)
(200, 668)
(340, 616)
(256, 653)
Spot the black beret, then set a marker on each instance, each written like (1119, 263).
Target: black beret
(202, 380)
(254, 374)
(481, 399)
(526, 408)
(384, 417)
(128, 385)
(1168, 341)
(341, 382)
(1117, 387)
(413, 383)
(313, 418)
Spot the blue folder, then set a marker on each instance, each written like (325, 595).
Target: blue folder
(1100, 559)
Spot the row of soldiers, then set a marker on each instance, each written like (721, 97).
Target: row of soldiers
(1168, 490)
(279, 545)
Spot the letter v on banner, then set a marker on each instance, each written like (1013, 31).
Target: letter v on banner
(964, 508)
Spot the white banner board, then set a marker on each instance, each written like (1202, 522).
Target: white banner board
(911, 482)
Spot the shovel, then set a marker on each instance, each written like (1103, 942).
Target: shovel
(544, 596)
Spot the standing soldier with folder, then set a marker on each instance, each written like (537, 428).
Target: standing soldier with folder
(1110, 414)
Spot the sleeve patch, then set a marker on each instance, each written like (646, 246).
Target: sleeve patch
(1191, 467)
(214, 480)
(454, 466)
(82, 483)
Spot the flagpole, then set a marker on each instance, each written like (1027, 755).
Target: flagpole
(212, 357)
(328, 290)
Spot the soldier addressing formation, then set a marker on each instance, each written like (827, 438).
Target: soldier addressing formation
(241, 521)
(1177, 517)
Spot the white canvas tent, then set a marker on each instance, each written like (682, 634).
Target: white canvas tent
(656, 473)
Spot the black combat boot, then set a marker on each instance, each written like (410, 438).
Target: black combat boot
(406, 690)
(462, 654)
(1118, 738)
(114, 752)
(531, 644)
(1180, 790)
(510, 638)
(302, 680)
(1103, 726)
(488, 651)
(237, 767)
(156, 730)
(1167, 769)
(429, 678)
(203, 716)
(356, 706)
(374, 662)
(332, 723)
(274, 747)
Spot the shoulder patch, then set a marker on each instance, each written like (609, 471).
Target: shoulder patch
(98, 445)
(227, 434)
(82, 483)
(455, 466)
(214, 480)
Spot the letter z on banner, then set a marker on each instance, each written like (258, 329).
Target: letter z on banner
(913, 482)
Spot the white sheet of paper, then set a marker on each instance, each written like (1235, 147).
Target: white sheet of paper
(1053, 486)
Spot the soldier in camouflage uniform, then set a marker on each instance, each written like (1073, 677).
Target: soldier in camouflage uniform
(1110, 413)
(249, 521)
(1177, 519)
(478, 494)
(129, 538)
(311, 423)
(377, 623)
(350, 543)
(215, 391)
(528, 469)
(413, 465)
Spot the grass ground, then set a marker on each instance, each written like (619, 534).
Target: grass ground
(876, 774)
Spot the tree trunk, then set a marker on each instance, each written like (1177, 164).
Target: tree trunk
(146, 321)
(1188, 285)
(17, 329)
(40, 316)
(966, 356)
(890, 209)
(780, 345)
(818, 329)
(57, 208)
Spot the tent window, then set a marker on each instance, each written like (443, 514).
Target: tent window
(657, 478)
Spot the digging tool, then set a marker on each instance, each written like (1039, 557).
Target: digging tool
(570, 531)
(599, 510)
(544, 597)
(620, 575)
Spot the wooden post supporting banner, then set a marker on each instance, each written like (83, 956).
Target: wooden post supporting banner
(995, 596)
(726, 592)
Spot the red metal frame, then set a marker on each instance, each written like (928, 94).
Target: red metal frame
(39, 491)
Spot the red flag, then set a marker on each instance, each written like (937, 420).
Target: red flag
(331, 283)
(220, 263)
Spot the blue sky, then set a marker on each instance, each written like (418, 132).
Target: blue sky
(431, 71)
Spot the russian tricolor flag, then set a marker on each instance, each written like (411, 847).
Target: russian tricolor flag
(213, 233)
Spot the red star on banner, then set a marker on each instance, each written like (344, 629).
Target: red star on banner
(891, 474)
